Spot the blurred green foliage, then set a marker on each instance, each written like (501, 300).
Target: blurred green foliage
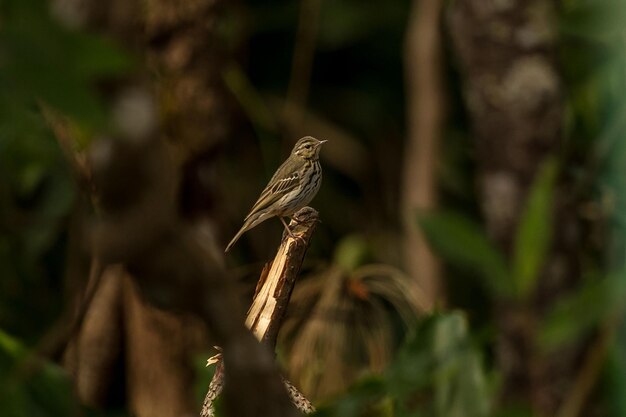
(40, 62)
(533, 236)
(31, 386)
(45, 391)
(43, 60)
(464, 243)
(39, 389)
(594, 41)
(577, 314)
(36, 194)
(437, 372)
(598, 106)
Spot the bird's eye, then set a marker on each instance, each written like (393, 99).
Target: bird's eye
(308, 146)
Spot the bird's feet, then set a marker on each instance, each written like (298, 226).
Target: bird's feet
(290, 233)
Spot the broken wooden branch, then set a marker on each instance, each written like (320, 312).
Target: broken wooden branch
(270, 302)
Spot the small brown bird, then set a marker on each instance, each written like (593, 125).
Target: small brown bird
(292, 187)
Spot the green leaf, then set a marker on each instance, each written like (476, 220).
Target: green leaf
(44, 391)
(43, 60)
(460, 385)
(463, 243)
(440, 358)
(534, 233)
(577, 313)
(599, 20)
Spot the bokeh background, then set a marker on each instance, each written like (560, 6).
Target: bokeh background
(470, 258)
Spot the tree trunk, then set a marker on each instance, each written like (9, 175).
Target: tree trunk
(426, 96)
(513, 93)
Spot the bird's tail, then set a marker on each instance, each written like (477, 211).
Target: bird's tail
(236, 238)
(252, 220)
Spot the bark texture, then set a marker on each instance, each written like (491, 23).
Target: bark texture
(506, 52)
(513, 93)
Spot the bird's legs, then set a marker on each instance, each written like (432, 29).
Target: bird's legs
(282, 220)
(289, 232)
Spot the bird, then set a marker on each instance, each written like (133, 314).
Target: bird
(292, 187)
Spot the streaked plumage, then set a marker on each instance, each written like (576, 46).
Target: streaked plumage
(292, 187)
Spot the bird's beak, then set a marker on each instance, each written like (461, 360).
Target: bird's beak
(322, 141)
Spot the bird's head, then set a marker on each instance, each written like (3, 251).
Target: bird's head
(308, 147)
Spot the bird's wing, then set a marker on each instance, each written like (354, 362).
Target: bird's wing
(286, 179)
